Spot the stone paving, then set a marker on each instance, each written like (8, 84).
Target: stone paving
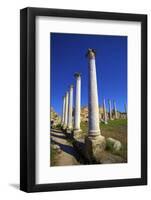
(67, 155)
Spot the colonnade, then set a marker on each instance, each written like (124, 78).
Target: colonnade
(73, 124)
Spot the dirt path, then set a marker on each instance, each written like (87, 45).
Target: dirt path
(67, 155)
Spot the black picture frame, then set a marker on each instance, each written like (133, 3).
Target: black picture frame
(28, 98)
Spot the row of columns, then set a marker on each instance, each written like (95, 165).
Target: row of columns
(67, 107)
(94, 142)
(110, 110)
(94, 126)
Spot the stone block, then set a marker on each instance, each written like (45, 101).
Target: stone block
(113, 144)
(77, 133)
(94, 146)
(69, 131)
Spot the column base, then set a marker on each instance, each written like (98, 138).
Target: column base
(64, 127)
(77, 133)
(69, 130)
(104, 122)
(94, 146)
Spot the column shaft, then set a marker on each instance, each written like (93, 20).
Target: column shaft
(115, 111)
(94, 143)
(125, 108)
(94, 128)
(66, 110)
(70, 107)
(63, 111)
(125, 105)
(105, 114)
(110, 110)
(77, 102)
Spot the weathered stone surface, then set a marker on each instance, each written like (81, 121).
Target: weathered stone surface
(56, 147)
(68, 130)
(66, 110)
(63, 110)
(108, 158)
(94, 146)
(84, 113)
(113, 144)
(77, 133)
(77, 102)
(55, 118)
(105, 112)
(70, 105)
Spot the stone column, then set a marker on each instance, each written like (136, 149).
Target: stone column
(77, 110)
(110, 110)
(105, 114)
(95, 142)
(66, 111)
(125, 106)
(63, 111)
(70, 109)
(115, 111)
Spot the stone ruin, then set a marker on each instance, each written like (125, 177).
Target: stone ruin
(95, 143)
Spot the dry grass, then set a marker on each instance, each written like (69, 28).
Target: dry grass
(116, 129)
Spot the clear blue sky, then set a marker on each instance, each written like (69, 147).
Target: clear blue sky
(68, 56)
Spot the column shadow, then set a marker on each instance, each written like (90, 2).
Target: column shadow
(57, 131)
(59, 136)
(68, 149)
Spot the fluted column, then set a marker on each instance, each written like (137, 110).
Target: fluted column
(105, 114)
(66, 110)
(110, 109)
(77, 103)
(70, 109)
(115, 111)
(95, 142)
(63, 111)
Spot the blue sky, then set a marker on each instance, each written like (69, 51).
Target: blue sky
(68, 56)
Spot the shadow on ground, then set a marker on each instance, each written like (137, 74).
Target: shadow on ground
(15, 185)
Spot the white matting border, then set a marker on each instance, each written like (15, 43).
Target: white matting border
(47, 174)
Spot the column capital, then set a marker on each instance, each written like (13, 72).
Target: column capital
(71, 86)
(91, 53)
(66, 94)
(77, 75)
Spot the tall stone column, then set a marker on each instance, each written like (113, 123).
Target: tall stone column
(115, 111)
(95, 142)
(66, 111)
(125, 106)
(70, 109)
(63, 111)
(77, 110)
(110, 110)
(105, 113)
